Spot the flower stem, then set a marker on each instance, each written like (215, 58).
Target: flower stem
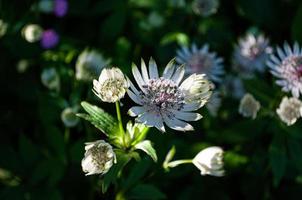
(119, 117)
(178, 162)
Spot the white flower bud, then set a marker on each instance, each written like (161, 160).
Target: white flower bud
(50, 79)
(32, 33)
(249, 106)
(69, 118)
(111, 86)
(210, 161)
(99, 157)
(290, 109)
(3, 27)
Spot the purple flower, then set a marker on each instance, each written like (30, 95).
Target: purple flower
(60, 7)
(286, 66)
(50, 39)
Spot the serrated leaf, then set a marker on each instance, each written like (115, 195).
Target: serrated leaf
(146, 191)
(147, 147)
(100, 119)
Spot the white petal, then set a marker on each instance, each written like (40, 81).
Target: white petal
(193, 106)
(134, 97)
(187, 116)
(153, 71)
(144, 71)
(177, 124)
(138, 77)
(179, 74)
(136, 110)
(169, 69)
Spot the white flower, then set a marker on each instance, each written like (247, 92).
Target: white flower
(99, 157)
(50, 79)
(32, 33)
(201, 61)
(164, 100)
(69, 118)
(210, 161)
(290, 109)
(205, 7)
(111, 86)
(22, 65)
(251, 54)
(249, 106)
(90, 64)
(287, 67)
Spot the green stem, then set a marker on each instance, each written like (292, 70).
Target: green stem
(119, 117)
(179, 162)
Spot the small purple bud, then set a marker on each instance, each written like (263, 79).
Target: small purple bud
(60, 7)
(50, 39)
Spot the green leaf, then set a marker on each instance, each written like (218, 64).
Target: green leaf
(146, 191)
(100, 119)
(112, 175)
(146, 146)
(278, 159)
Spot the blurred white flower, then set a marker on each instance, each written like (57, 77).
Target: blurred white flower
(3, 27)
(233, 87)
(98, 158)
(111, 86)
(287, 68)
(90, 64)
(201, 61)
(205, 7)
(251, 54)
(214, 103)
(46, 6)
(290, 109)
(32, 33)
(249, 106)
(69, 118)
(210, 161)
(50, 79)
(164, 100)
(22, 65)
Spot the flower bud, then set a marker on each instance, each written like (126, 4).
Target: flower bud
(290, 110)
(69, 118)
(111, 86)
(99, 157)
(249, 106)
(210, 161)
(50, 79)
(32, 33)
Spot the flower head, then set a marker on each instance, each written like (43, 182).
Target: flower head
(111, 86)
(210, 161)
(249, 106)
(60, 7)
(251, 54)
(3, 27)
(205, 7)
(164, 100)
(32, 33)
(98, 158)
(90, 64)
(69, 118)
(290, 109)
(46, 6)
(201, 61)
(288, 69)
(50, 39)
(50, 79)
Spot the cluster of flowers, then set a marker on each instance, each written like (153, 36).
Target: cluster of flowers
(162, 100)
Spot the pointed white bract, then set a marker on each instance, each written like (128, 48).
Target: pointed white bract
(210, 161)
(251, 54)
(111, 86)
(249, 106)
(164, 99)
(290, 110)
(98, 158)
(286, 66)
(205, 7)
(90, 64)
(201, 61)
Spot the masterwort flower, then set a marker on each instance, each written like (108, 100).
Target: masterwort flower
(205, 7)
(69, 118)
(98, 158)
(249, 106)
(201, 61)
(210, 161)
(290, 109)
(50, 79)
(164, 100)
(251, 54)
(60, 7)
(111, 86)
(90, 64)
(32, 33)
(287, 67)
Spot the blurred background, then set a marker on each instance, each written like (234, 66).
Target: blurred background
(51, 50)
